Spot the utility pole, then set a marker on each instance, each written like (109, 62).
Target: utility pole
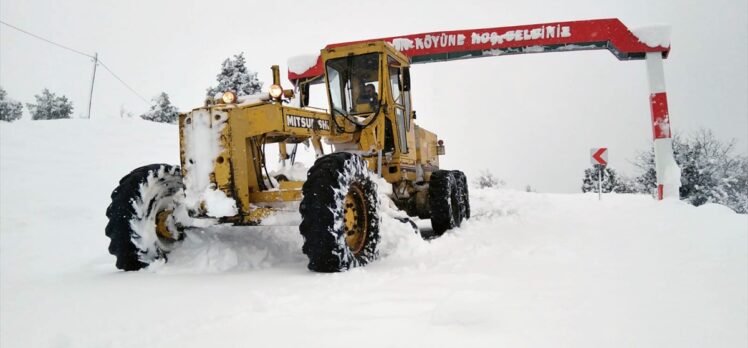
(93, 78)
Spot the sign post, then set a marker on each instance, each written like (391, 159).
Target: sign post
(599, 158)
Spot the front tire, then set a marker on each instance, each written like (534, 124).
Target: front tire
(340, 221)
(141, 226)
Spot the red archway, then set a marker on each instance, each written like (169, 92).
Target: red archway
(610, 34)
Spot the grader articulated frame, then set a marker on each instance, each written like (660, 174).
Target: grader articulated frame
(371, 130)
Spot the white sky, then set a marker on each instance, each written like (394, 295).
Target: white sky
(530, 119)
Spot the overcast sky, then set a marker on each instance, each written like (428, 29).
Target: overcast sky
(530, 119)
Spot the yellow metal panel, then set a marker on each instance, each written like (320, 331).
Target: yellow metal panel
(290, 185)
(275, 196)
(222, 165)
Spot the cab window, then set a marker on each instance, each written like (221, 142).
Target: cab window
(354, 84)
(401, 117)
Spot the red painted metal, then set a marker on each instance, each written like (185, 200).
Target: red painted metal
(610, 34)
(660, 116)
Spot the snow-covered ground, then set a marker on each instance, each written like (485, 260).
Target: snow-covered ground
(528, 270)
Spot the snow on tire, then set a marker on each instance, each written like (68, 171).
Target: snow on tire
(144, 196)
(339, 210)
(463, 195)
(444, 202)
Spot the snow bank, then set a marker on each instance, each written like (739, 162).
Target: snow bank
(653, 36)
(528, 269)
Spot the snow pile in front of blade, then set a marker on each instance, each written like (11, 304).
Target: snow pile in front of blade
(653, 36)
(234, 249)
(398, 238)
(202, 147)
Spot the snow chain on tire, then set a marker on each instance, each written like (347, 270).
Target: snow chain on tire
(340, 220)
(136, 202)
(444, 202)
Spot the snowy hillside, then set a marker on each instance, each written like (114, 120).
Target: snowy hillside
(528, 270)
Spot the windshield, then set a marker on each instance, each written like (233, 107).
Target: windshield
(354, 84)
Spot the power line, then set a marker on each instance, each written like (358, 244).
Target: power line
(81, 53)
(123, 82)
(46, 40)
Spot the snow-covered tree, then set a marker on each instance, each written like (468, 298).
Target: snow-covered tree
(710, 172)
(736, 183)
(611, 181)
(487, 180)
(235, 77)
(646, 182)
(628, 184)
(10, 110)
(50, 107)
(162, 110)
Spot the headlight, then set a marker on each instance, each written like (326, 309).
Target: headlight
(276, 91)
(228, 97)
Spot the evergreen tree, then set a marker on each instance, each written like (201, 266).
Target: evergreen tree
(162, 110)
(235, 77)
(611, 182)
(50, 107)
(10, 110)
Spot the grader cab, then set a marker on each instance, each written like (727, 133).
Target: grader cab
(224, 175)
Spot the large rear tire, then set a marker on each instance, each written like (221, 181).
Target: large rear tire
(463, 195)
(141, 226)
(340, 221)
(446, 211)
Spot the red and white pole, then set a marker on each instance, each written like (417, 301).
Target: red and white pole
(668, 172)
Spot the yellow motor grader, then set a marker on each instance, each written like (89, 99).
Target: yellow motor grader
(369, 131)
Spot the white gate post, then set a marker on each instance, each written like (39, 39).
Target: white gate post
(668, 172)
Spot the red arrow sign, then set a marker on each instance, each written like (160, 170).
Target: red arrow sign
(599, 156)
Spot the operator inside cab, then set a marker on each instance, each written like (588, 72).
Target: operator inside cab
(364, 83)
(367, 99)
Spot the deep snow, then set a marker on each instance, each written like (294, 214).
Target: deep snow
(527, 270)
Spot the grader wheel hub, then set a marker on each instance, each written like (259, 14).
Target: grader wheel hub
(162, 225)
(355, 219)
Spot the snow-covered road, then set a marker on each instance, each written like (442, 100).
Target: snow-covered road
(529, 270)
